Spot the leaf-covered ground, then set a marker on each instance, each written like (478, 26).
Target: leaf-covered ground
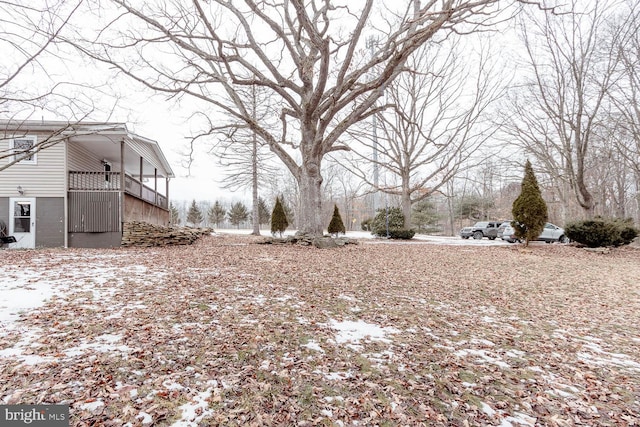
(228, 332)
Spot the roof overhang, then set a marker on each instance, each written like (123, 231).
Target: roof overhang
(103, 139)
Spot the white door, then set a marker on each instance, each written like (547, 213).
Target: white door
(22, 222)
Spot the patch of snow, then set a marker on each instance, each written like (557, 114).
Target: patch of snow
(482, 342)
(265, 365)
(333, 376)
(353, 332)
(521, 419)
(326, 413)
(483, 357)
(312, 345)
(195, 411)
(170, 385)
(332, 398)
(144, 418)
(604, 358)
(487, 410)
(91, 406)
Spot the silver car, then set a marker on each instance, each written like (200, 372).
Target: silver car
(551, 233)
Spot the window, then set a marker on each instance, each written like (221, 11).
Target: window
(22, 145)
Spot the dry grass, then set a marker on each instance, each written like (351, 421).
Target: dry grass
(484, 335)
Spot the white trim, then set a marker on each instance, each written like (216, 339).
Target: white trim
(34, 157)
(25, 240)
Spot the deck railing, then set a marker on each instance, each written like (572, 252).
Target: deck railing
(110, 181)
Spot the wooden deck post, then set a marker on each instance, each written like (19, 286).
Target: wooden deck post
(155, 186)
(122, 185)
(141, 185)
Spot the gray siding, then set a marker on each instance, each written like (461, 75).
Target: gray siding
(4, 211)
(50, 221)
(94, 212)
(81, 159)
(95, 240)
(47, 178)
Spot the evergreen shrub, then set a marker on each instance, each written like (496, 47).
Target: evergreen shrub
(600, 232)
(365, 225)
(396, 224)
(336, 225)
(279, 221)
(529, 210)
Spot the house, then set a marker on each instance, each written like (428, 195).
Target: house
(75, 185)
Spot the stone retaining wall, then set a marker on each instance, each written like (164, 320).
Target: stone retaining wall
(138, 233)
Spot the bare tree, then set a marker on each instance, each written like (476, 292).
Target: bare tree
(307, 55)
(244, 155)
(556, 115)
(436, 123)
(625, 95)
(29, 32)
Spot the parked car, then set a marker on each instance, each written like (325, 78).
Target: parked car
(481, 229)
(504, 225)
(551, 233)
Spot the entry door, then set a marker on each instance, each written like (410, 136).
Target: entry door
(22, 224)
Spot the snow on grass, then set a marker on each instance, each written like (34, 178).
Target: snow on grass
(91, 406)
(103, 344)
(353, 332)
(312, 345)
(195, 411)
(604, 358)
(482, 357)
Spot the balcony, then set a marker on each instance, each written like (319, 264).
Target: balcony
(110, 181)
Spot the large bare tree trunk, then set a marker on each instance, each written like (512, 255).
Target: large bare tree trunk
(310, 187)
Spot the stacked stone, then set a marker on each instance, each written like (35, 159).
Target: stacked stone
(138, 233)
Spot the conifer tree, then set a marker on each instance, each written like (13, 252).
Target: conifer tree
(264, 216)
(529, 209)
(336, 225)
(194, 215)
(175, 214)
(216, 213)
(279, 221)
(238, 213)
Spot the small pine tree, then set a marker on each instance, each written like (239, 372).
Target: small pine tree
(238, 213)
(175, 214)
(336, 225)
(194, 216)
(279, 221)
(529, 209)
(264, 216)
(217, 213)
(424, 215)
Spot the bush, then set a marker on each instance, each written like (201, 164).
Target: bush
(396, 224)
(279, 221)
(602, 232)
(336, 225)
(401, 233)
(365, 225)
(529, 209)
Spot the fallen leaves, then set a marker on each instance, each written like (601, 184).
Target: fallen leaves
(227, 333)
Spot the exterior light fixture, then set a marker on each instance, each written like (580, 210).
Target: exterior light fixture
(20, 190)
